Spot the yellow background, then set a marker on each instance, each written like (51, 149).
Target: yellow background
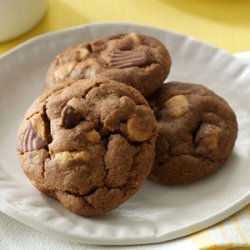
(223, 23)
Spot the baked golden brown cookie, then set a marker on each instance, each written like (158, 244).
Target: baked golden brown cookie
(137, 60)
(90, 144)
(197, 132)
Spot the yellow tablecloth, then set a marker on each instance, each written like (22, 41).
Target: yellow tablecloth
(223, 23)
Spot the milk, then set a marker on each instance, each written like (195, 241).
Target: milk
(19, 16)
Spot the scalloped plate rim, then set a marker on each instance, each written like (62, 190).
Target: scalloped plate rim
(209, 221)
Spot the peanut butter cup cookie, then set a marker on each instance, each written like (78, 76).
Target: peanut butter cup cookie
(137, 60)
(197, 132)
(89, 143)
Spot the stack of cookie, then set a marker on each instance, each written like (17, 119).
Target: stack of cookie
(91, 139)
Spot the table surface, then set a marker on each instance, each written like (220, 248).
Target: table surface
(223, 23)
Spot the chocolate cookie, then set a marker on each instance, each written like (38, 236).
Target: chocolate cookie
(197, 132)
(139, 61)
(90, 144)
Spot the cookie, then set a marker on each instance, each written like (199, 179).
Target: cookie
(197, 132)
(137, 60)
(89, 143)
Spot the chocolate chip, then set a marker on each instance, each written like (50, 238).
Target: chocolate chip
(98, 46)
(123, 59)
(31, 140)
(70, 117)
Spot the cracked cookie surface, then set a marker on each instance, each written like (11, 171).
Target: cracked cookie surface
(136, 60)
(89, 143)
(197, 132)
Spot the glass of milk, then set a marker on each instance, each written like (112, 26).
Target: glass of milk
(19, 16)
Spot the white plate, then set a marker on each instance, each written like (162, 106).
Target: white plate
(156, 213)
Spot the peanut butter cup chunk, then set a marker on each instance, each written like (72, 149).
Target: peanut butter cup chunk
(88, 143)
(197, 132)
(136, 60)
